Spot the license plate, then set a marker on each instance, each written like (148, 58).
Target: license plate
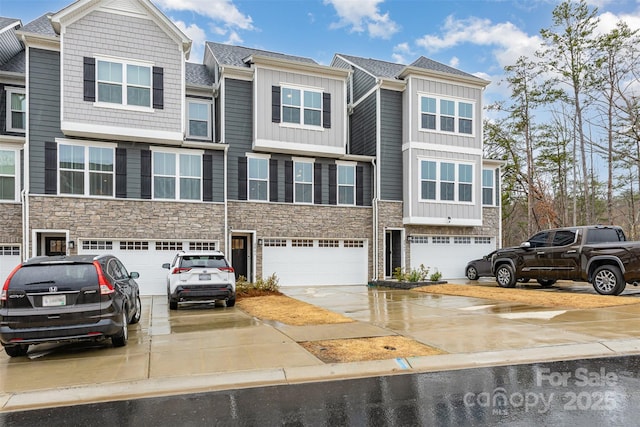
(205, 277)
(53, 300)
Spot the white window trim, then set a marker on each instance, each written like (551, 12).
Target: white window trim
(10, 91)
(124, 84)
(177, 176)
(303, 160)
(17, 173)
(493, 187)
(456, 182)
(350, 164)
(266, 157)
(209, 105)
(86, 178)
(456, 117)
(301, 124)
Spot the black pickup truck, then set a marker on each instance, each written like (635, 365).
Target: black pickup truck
(600, 255)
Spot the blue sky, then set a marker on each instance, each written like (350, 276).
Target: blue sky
(476, 36)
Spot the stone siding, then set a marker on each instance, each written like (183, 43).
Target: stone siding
(11, 220)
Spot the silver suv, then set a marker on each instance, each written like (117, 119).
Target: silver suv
(200, 276)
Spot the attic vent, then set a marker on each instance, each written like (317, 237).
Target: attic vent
(127, 6)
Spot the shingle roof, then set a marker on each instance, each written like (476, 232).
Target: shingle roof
(430, 64)
(15, 64)
(235, 55)
(197, 74)
(4, 21)
(40, 26)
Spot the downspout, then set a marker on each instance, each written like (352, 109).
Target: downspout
(376, 184)
(24, 194)
(375, 219)
(226, 205)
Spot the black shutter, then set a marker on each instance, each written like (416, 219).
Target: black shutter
(317, 183)
(288, 181)
(50, 167)
(242, 178)
(333, 184)
(145, 174)
(207, 178)
(158, 88)
(275, 104)
(359, 186)
(326, 110)
(273, 180)
(121, 173)
(89, 70)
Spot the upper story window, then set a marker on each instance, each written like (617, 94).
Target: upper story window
(177, 176)
(124, 83)
(16, 109)
(9, 175)
(346, 184)
(446, 181)
(199, 117)
(487, 187)
(301, 107)
(446, 115)
(303, 182)
(258, 178)
(86, 170)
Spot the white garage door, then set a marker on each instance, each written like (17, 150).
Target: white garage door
(9, 259)
(144, 257)
(448, 254)
(315, 261)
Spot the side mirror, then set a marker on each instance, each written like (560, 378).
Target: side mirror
(525, 245)
(134, 275)
(166, 265)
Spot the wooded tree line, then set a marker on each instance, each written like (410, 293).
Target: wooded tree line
(569, 132)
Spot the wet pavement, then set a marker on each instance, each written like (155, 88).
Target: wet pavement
(203, 348)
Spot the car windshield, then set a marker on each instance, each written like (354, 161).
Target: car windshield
(203, 261)
(59, 274)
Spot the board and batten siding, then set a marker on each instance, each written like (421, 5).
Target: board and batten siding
(238, 113)
(128, 38)
(267, 130)
(391, 165)
(44, 111)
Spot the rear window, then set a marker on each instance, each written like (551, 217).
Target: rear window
(203, 261)
(74, 275)
(605, 235)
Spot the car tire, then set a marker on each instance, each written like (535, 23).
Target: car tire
(608, 280)
(545, 283)
(16, 350)
(120, 340)
(173, 304)
(231, 301)
(136, 316)
(472, 273)
(505, 276)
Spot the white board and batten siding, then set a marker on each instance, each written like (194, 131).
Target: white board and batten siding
(145, 258)
(448, 254)
(316, 262)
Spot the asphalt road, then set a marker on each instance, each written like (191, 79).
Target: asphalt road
(593, 392)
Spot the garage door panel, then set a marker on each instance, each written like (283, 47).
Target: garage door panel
(449, 258)
(9, 259)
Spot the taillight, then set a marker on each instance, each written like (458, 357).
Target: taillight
(227, 269)
(179, 270)
(106, 288)
(5, 288)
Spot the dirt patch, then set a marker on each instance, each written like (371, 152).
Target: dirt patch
(361, 349)
(530, 297)
(290, 311)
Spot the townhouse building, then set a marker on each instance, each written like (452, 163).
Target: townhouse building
(112, 141)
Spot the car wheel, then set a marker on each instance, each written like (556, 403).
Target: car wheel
(120, 340)
(472, 273)
(608, 280)
(545, 283)
(505, 276)
(136, 316)
(173, 304)
(231, 301)
(16, 350)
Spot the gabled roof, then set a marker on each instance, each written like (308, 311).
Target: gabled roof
(236, 55)
(40, 26)
(15, 64)
(198, 75)
(430, 64)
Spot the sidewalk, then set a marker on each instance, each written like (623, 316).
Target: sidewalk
(203, 348)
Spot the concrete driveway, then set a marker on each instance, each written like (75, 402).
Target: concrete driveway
(199, 348)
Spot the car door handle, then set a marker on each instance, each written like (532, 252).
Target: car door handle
(540, 253)
(572, 252)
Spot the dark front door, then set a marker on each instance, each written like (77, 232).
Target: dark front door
(55, 246)
(239, 256)
(393, 251)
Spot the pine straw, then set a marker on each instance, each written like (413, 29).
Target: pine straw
(361, 349)
(531, 297)
(283, 309)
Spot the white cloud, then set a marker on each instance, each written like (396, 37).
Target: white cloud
(364, 14)
(219, 10)
(454, 62)
(401, 52)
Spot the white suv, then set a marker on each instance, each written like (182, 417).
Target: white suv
(200, 276)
